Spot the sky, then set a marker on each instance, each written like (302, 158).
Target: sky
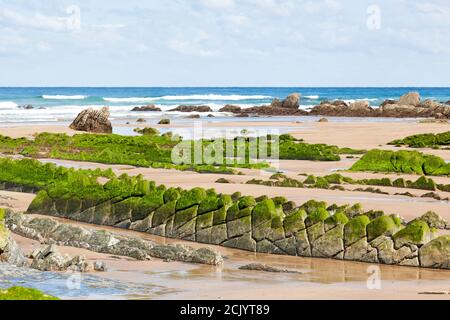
(299, 43)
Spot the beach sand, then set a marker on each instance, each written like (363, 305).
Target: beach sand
(320, 279)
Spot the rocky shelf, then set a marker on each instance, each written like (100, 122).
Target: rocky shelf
(262, 225)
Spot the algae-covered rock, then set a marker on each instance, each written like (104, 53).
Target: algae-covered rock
(239, 227)
(313, 205)
(355, 230)
(339, 218)
(24, 294)
(267, 221)
(265, 246)
(354, 210)
(295, 222)
(245, 242)
(417, 233)
(330, 244)
(302, 244)
(288, 245)
(434, 220)
(163, 213)
(436, 253)
(191, 198)
(386, 225)
(206, 256)
(246, 202)
(317, 216)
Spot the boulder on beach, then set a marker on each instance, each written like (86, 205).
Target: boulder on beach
(147, 108)
(360, 105)
(164, 121)
(410, 99)
(184, 108)
(292, 101)
(91, 120)
(388, 102)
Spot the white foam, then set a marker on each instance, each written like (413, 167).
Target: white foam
(63, 97)
(355, 100)
(233, 97)
(8, 105)
(312, 97)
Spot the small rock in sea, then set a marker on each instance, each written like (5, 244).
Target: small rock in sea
(193, 116)
(265, 268)
(211, 116)
(141, 120)
(185, 108)
(242, 115)
(164, 121)
(26, 107)
(432, 195)
(100, 266)
(323, 120)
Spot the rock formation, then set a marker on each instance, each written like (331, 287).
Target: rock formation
(147, 108)
(184, 108)
(292, 101)
(91, 120)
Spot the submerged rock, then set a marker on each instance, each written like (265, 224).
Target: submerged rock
(265, 268)
(91, 120)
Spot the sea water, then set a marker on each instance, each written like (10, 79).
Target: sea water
(63, 104)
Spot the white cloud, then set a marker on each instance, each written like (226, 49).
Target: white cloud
(36, 20)
(218, 4)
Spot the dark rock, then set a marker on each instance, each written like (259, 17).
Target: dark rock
(266, 268)
(231, 108)
(148, 108)
(276, 103)
(26, 107)
(164, 121)
(141, 120)
(323, 120)
(388, 102)
(193, 116)
(184, 108)
(91, 120)
(292, 101)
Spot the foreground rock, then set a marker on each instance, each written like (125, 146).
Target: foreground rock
(47, 230)
(292, 101)
(48, 258)
(91, 120)
(10, 252)
(184, 108)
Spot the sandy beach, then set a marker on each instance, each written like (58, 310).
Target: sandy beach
(319, 278)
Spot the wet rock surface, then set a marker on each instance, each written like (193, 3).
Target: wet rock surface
(47, 230)
(266, 268)
(188, 108)
(147, 108)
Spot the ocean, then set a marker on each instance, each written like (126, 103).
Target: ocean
(63, 104)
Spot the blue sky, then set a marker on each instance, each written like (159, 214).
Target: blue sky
(224, 43)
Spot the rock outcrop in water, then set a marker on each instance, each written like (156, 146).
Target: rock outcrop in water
(147, 108)
(408, 106)
(185, 108)
(91, 120)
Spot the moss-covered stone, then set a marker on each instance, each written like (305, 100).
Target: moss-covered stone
(423, 183)
(191, 198)
(434, 220)
(355, 229)
(246, 202)
(27, 294)
(385, 225)
(184, 216)
(317, 216)
(239, 227)
(171, 194)
(245, 242)
(339, 218)
(302, 244)
(312, 206)
(265, 215)
(295, 222)
(354, 210)
(417, 233)
(163, 213)
(41, 204)
(436, 253)
(330, 244)
(205, 221)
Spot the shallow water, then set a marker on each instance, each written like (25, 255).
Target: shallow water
(72, 285)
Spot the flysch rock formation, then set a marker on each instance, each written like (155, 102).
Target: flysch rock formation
(264, 226)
